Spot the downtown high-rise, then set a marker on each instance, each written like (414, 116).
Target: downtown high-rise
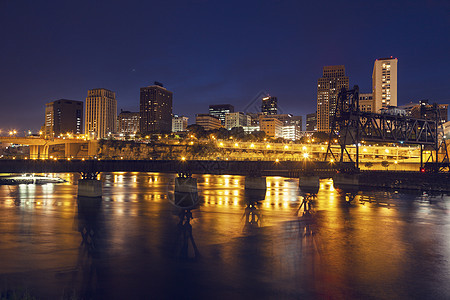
(155, 109)
(62, 117)
(101, 113)
(328, 88)
(269, 105)
(384, 83)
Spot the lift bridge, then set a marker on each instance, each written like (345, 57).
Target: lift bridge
(350, 126)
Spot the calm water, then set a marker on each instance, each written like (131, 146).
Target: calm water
(130, 245)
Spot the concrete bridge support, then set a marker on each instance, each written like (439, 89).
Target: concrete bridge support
(39, 151)
(92, 148)
(309, 183)
(255, 183)
(342, 180)
(91, 188)
(34, 151)
(185, 185)
(255, 190)
(71, 150)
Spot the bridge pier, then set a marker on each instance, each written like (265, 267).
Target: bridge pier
(184, 183)
(71, 149)
(309, 183)
(343, 180)
(34, 151)
(89, 185)
(255, 183)
(91, 188)
(255, 189)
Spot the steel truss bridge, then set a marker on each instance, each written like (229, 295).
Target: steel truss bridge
(350, 126)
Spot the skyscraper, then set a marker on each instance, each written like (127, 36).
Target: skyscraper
(269, 105)
(311, 122)
(63, 116)
(220, 110)
(384, 83)
(101, 113)
(155, 109)
(328, 88)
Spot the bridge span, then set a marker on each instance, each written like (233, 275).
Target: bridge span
(253, 168)
(39, 147)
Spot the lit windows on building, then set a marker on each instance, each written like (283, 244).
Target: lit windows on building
(63, 116)
(269, 105)
(155, 109)
(101, 113)
(220, 110)
(179, 123)
(328, 88)
(128, 122)
(237, 119)
(384, 83)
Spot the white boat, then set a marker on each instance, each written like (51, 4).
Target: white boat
(29, 179)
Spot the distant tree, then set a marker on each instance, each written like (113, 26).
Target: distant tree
(258, 135)
(197, 130)
(222, 133)
(320, 137)
(304, 139)
(368, 165)
(385, 164)
(237, 132)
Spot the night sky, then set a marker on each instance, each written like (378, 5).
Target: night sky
(212, 52)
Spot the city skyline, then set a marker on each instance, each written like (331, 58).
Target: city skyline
(239, 55)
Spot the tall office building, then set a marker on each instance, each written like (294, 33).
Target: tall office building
(384, 83)
(155, 109)
(269, 105)
(101, 113)
(128, 122)
(311, 122)
(63, 116)
(328, 88)
(220, 110)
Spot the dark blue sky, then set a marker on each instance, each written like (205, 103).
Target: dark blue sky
(211, 52)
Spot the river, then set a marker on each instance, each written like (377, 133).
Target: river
(131, 245)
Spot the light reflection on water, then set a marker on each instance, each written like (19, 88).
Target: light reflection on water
(351, 244)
